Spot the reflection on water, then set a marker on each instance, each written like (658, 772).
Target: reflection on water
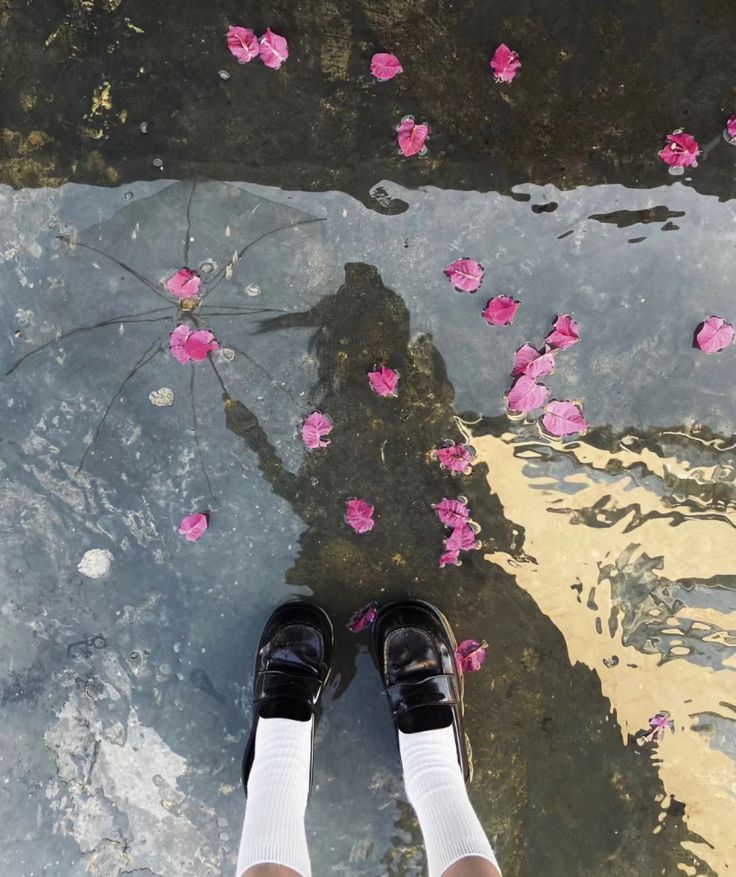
(628, 546)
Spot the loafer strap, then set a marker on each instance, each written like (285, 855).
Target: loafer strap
(278, 683)
(440, 690)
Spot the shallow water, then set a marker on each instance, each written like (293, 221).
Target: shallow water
(605, 581)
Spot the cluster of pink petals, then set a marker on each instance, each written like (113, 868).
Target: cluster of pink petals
(659, 724)
(411, 136)
(363, 618)
(713, 335)
(184, 283)
(466, 275)
(359, 515)
(186, 344)
(384, 381)
(315, 427)
(193, 526)
(470, 655)
(681, 150)
(500, 311)
(454, 514)
(385, 66)
(272, 49)
(456, 457)
(505, 64)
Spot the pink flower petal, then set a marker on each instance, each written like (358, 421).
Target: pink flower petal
(363, 618)
(455, 457)
(385, 66)
(500, 311)
(466, 275)
(411, 137)
(470, 655)
(564, 334)
(452, 512)
(526, 395)
(462, 538)
(243, 43)
(314, 428)
(176, 343)
(659, 724)
(274, 49)
(731, 127)
(681, 150)
(505, 64)
(563, 418)
(199, 344)
(384, 381)
(359, 514)
(184, 284)
(193, 526)
(713, 335)
(529, 361)
(450, 558)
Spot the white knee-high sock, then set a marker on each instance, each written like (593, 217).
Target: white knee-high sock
(278, 788)
(436, 790)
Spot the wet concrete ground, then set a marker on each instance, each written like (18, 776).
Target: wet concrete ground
(605, 581)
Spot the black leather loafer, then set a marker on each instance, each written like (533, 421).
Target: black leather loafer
(292, 667)
(414, 648)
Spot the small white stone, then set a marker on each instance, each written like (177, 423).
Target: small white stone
(253, 290)
(227, 353)
(163, 397)
(95, 563)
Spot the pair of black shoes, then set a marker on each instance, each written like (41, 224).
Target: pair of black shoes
(414, 650)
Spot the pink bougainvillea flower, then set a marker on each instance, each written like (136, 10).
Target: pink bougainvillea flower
(505, 64)
(452, 512)
(563, 418)
(384, 381)
(564, 334)
(681, 150)
(526, 395)
(713, 335)
(186, 345)
(470, 655)
(274, 49)
(730, 131)
(359, 514)
(462, 538)
(530, 361)
(184, 284)
(466, 275)
(315, 427)
(450, 558)
(363, 618)
(659, 724)
(455, 457)
(193, 526)
(411, 137)
(385, 66)
(500, 311)
(243, 43)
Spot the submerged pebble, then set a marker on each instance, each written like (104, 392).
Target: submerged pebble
(162, 398)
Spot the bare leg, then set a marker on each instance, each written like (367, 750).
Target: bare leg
(471, 866)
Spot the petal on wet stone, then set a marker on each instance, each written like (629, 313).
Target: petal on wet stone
(530, 361)
(359, 515)
(243, 44)
(500, 311)
(314, 428)
(384, 381)
(184, 284)
(526, 395)
(466, 275)
(452, 512)
(411, 137)
(505, 64)
(274, 49)
(563, 418)
(192, 527)
(385, 66)
(713, 335)
(470, 655)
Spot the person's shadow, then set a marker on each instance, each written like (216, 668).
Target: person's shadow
(554, 782)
